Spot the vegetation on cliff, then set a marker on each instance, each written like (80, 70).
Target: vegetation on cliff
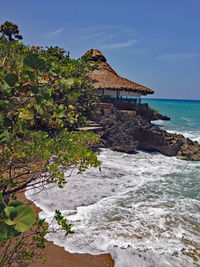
(44, 95)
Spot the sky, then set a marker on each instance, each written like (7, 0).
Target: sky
(152, 42)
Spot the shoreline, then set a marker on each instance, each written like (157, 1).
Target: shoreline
(57, 256)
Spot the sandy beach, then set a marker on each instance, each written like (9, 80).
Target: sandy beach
(57, 256)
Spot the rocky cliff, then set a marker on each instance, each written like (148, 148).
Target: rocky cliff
(126, 132)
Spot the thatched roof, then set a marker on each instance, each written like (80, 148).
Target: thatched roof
(106, 78)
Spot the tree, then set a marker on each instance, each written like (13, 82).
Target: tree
(9, 30)
(41, 100)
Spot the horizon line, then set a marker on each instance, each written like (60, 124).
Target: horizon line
(178, 99)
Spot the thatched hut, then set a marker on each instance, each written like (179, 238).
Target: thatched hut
(109, 84)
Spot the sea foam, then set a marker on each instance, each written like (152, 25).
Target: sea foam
(144, 205)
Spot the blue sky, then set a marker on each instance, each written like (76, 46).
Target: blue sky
(153, 42)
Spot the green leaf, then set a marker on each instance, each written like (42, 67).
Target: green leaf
(3, 231)
(61, 106)
(5, 137)
(61, 114)
(15, 204)
(30, 74)
(35, 62)
(5, 88)
(25, 218)
(2, 207)
(11, 79)
(69, 81)
(46, 154)
(7, 231)
(11, 213)
(2, 213)
(25, 114)
(22, 217)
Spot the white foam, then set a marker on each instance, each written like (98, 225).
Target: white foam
(143, 202)
(193, 135)
(135, 258)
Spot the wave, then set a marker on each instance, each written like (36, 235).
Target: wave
(142, 208)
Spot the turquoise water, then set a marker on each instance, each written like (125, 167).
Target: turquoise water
(143, 208)
(184, 114)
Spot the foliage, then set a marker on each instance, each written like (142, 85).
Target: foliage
(25, 247)
(63, 223)
(15, 218)
(37, 153)
(44, 95)
(9, 29)
(39, 101)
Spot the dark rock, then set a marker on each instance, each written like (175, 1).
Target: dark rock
(127, 133)
(143, 110)
(149, 114)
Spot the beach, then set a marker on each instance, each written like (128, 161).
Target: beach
(57, 256)
(140, 207)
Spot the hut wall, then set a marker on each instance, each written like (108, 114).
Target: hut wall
(129, 93)
(110, 92)
(114, 92)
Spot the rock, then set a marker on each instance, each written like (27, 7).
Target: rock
(143, 110)
(127, 133)
(159, 116)
(127, 148)
(133, 113)
(189, 151)
(147, 113)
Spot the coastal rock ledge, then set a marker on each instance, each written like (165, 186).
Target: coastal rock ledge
(127, 132)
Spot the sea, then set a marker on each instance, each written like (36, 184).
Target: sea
(143, 208)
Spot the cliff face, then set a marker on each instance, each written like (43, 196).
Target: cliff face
(148, 113)
(129, 132)
(143, 110)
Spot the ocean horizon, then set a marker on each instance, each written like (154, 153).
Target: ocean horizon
(169, 99)
(142, 208)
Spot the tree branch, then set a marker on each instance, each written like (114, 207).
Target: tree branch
(20, 187)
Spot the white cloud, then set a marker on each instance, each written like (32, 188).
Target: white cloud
(122, 44)
(175, 57)
(102, 34)
(104, 28)
(107, 37)
(94, 35)
(56, 32)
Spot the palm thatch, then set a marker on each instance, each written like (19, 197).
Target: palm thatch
(106, 78)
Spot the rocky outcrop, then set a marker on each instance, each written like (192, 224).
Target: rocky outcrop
(143, 110)
(189, 150)
(149, 114)
(127, 133)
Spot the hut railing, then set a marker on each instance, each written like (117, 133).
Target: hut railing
(126, 103)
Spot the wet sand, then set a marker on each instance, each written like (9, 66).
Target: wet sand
(57, 256)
